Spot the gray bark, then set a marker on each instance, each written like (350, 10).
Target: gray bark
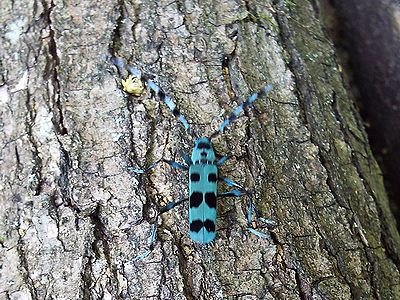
(72, 215)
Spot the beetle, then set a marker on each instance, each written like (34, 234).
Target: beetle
(202, 166)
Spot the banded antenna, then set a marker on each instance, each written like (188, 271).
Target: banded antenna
(232, 117)
(157, 90)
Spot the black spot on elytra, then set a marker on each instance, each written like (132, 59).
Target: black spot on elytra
(209, 225)
(212, 177)
(195, 199)
(211, 200)
(196, 225)
(194, 177)
(204, 153)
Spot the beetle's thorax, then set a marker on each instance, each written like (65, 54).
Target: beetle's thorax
(203, 151)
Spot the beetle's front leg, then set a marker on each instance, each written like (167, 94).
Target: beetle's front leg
(173, 164)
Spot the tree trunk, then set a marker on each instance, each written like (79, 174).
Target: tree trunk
(370, 33)
(73, 215)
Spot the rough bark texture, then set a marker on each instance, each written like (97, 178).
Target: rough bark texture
(370, 33)
(73, 216)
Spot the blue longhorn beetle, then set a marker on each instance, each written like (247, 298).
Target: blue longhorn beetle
(202, 166)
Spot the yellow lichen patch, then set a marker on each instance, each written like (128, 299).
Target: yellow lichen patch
(133, 85)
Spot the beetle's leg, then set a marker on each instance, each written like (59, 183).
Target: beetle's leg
(240, 192)
(222, 160)
(171, 205)
(231, 183)
(269, 222)
(167, 207)
(187, 159)
(151, 243)
(172, 163)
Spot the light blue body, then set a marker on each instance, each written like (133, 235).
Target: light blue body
(203, 212)
(203, 174)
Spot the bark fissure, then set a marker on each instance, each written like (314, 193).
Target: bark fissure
(349, 137)
(24, 268)
(253, 16)
(55, 215)
(226, 73)
(302, 285)
(101, 241)
(36, 181)
(187, 282)
(51, 71)
(64, 185)
(163, 277)
(116, 34)
(87, 277)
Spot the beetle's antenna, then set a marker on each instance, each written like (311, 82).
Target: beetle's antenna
(232, 117)
(157, 90)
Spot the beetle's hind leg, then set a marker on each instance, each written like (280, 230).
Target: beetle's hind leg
(167, 207)
(252, 228)
(240, 191)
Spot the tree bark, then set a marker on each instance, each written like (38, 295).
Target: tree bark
(73, 216)
(370, 33)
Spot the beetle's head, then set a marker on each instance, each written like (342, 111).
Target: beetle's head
(203, 151)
